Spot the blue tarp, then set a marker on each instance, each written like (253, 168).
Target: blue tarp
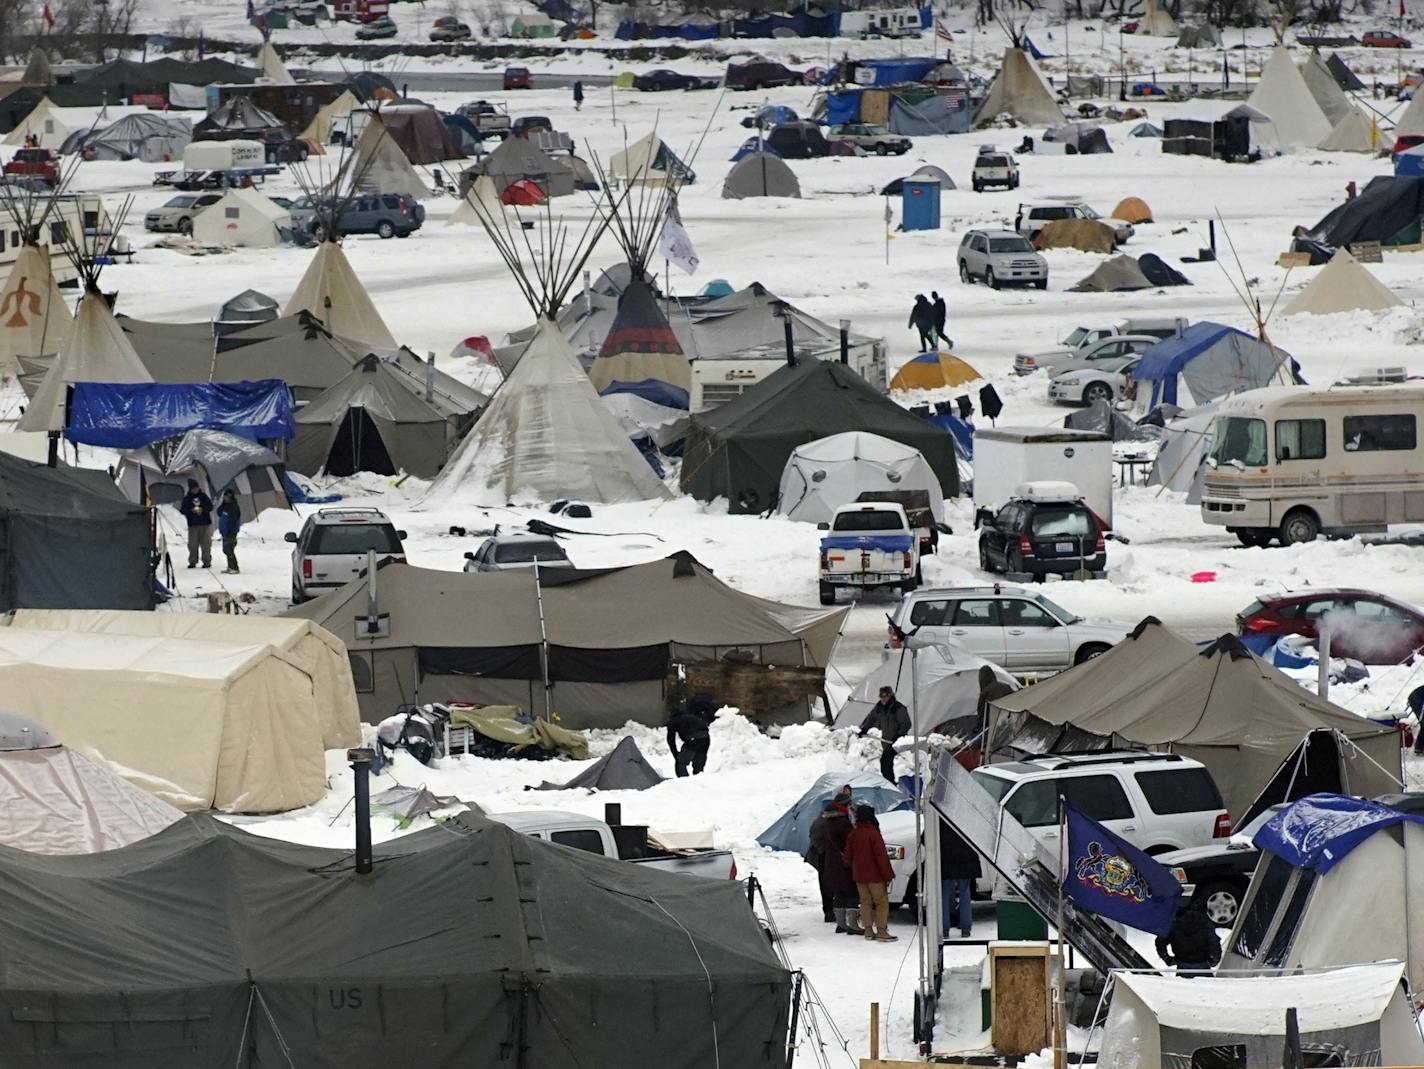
(774, 115)
(631, 30)
(897, 71)
(801, 24)
(843, 107)
(131, 415)
(1032, 49)
(961, 431)
(1410, 163)
(654, 390)
(888, 543)
(793, 830)
(1318, 831)
(754, 144)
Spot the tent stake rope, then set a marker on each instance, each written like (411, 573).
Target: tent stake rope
(246, 1026)
(276, 1032)
(711, 994)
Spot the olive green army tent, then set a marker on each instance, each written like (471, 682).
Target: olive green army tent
(469, 945)
(738, 451)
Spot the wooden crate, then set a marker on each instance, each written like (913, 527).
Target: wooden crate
(1020, 978)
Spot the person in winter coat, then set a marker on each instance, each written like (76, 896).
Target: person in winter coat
(922, 318)
(893, 720)
(870, 869)
(690, 725)
(578, 96)
(958, 869)
(941, 316)
(1191, 944)
(229, 523)
(197, 509)
(828, 841)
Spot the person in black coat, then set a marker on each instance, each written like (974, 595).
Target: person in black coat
(941, 317)
(922, 318)
(1191, 944)
(197, 509)
(690, 725)
(828, 839)
(958, 869)
(893, 720)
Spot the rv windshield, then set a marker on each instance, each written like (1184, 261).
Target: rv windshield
(1239, 442)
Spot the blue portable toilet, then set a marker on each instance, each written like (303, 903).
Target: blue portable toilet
(919, 204)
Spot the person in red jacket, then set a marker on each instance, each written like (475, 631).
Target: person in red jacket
(870, 869)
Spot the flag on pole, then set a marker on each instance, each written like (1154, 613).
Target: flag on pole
(675, 246)
(1107, 875)
(49, 15)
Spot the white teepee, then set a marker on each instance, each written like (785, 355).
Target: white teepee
(379, 165)
(34, 320)
(483, 197)
(331, 291)
(97, 350)
(1356, 132)
(271, 66)
(319, 129)
(1325, 89)
(1343, 285)
(1283, 95)
(1411, 120)
(44, 124)
(1020, 90)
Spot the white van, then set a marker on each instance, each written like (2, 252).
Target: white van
(1291, 462)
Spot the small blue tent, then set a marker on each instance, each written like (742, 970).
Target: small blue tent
(793, 830)
(1213, 360)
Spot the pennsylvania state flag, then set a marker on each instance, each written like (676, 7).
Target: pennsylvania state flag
(1112, 878)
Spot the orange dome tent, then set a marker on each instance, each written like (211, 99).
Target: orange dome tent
(1132, 210)
(933, 371)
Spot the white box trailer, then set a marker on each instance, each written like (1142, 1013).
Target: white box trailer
(1006, 457)
(233, 155)
(719, 379)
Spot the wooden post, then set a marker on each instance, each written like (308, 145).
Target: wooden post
(874, 1031)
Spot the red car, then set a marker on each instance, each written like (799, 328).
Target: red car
(517, 78)
(1369, 627)
(1384, 39)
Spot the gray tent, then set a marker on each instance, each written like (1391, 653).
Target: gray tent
(1105, 419)
(470, 944)
(1203, 35)
(37, 71)
(374, 420)
(1081, 138)
(246, 308)
(141, 136)
(624, 769)
(218, 460)
(760, 174)
(69, 540)
(1145, 129)
(516, 158)
(1119, 274)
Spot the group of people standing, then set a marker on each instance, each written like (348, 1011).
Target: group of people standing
(853, 869)
(929, 316)
(197, 509)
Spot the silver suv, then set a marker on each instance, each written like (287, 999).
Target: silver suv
(871, 137)
(332, 546)
(1032, 218)
(994, 168)
(386, 215)
(178, 213)
(999, 257)
(1022, 632)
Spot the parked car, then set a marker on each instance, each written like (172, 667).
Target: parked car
(527, 124)
(38, 163)
(501, 553)
(517, 78)
(1105, 381)
(872, 137)
(868, 545)
(994, 168)
(490, 119)
(387, 215)
(1032, 218)
(1370, 627)
(664, 79)
(331, 548)
(1104, 351)
(1083, 339)
(1020, 631)
(1216, 875)
(449, 28)
(761, 74)
(578, 832)
(1000, 256)
(1157, 802)
(177, 214)
(376, 29)
(1044, 529)
(1384, 39)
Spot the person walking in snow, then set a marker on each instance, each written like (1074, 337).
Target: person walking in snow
(690, 726)
(229, 523)
(893, 720)
(870, 868)
(578, 96)
(828, 842)
(941, 316)
(922, 318)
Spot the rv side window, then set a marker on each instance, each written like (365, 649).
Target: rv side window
(1239, 441)
(1290, 919)
(58, 233)
(1368, 434)
(1253, 928)
(1300, 439)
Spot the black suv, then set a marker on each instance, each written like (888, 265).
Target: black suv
(1045, 529)
(760, 75)
(388, 215)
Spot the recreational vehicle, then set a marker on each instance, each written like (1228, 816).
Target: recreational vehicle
(1290, 462)
(719, 379)
(71, 216)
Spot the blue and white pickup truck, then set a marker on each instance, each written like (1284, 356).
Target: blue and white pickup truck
(867, 545)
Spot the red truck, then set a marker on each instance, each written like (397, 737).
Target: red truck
(360, 10)
(38, 163)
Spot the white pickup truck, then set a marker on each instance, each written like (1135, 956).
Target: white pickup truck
(622, 842)
(867, 545)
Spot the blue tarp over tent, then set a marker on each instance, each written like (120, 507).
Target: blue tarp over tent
(897, 71)
(1234, 361)
(131, 415)
(752, 145)
(1318, 831)
(843, 107)
(801, 24)
(961, 431)
(793, 830)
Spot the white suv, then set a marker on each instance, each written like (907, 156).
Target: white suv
(1157, 802)
(994, 168)
(331, 549)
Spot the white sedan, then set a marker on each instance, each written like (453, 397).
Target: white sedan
(1107, 382)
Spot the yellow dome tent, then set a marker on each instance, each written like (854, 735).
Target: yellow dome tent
(933, 371)
(1132, 210)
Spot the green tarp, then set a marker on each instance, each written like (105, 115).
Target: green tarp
(468, 946)
(739, 450)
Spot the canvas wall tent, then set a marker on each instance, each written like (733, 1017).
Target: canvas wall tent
(1021, 91)
(1119, 275)
(1344, 76)
(533, 24)
(1387, 210)
(315, 650)
(1357, 1015)
(96, 350)
(516, 158)
(545, 435)
(792, 830)
(641, 354)
(1179, 462)
(1221, 705)
(738, 451)
(1343, 285)
(56, 801)
(37, 320)
(243, 217)
(1212, 360)
(1085, 235)
(269, 975)
(482, 199)
(420, 132)
(270, 65)
(823, 475)
(44, 124)
(69, 540)
(650, 160)
(760, 174)
(933, 371)
(477, 636)
(1325, 89)
(158, 474)
(378, 165)
(374, 420)
(1356, 132)
(202, 725)
(1204, 35)
(623, 769)
(141, 136)
(938, 684)
(330, 290)
(1132, 210)
(1282, 94)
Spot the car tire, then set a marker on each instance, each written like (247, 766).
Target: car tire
(1254, 537)
(978, 186)
(984, 558)
(1088, 651)
(964, 275)
(1014, 562)
(297, 598)
(881, 150)
(1041, 283)
(828, 594)
(404, 233)
(185, 225)
(1221, 901)
(385, 229)
(1097, 391)
(1300, 525)
(912, 892)
(989, 279)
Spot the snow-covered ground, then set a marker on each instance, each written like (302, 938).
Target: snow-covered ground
(827, 253)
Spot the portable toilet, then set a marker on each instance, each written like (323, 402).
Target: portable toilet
(919, 204)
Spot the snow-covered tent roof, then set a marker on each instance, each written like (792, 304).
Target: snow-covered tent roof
(243, 217)
(641, 354)
(140, 136)
(823, 475)
(1325, 89)
(44, 124)
(331, 291)
(792, 830)
(1342, 285)
(1356, 132)
(546, 435)
(1283, 95)
(249, 306)
(380, 165)
(271, 66)
(36, 320)
(937, 683)
(319, 129)
(649, 160)
(96, 350)
(481, 201)
(1021, 90)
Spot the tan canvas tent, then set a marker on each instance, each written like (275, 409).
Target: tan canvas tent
(1132, 210)
(43, 124)
(319, 653)
(1356, 132)
(482, 201)
(1020, 90)
(34, 320)
(271, 66)
(243, 217)
(760, 174)
(319, 129)
(380, 165)
(1342, 285)
(203, 725)
(96, 350)
(331, 291)
(1325, 89)
(1086, 235)
(1411, 120)
(1157, 22)
(1283, 96)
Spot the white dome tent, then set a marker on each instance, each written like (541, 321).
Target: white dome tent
(823, 475)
